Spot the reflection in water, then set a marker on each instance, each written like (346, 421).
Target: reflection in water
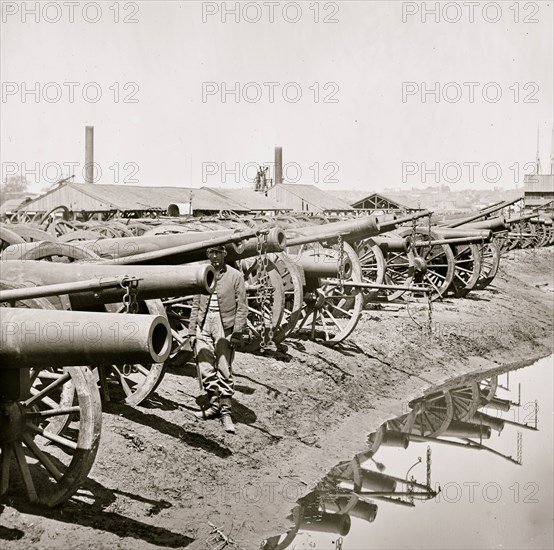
(462, 415)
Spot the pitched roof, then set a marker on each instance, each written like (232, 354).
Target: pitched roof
(136, 197)
(315, 196)
(248, 198)
(392, 202)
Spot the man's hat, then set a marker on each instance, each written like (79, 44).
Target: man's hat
(219, 248)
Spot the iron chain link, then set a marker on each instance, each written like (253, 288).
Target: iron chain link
(264, 294)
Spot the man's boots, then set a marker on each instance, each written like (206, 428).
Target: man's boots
(226, 419)
(213, 411)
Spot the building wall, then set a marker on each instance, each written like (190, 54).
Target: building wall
(67, 196)
(539, 189)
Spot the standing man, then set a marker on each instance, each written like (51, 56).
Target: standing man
(216, 327)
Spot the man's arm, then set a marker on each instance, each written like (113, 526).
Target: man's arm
(194, 315)
(242, 304)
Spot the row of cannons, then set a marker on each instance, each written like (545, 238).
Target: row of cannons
(91, 309)
(463, 417)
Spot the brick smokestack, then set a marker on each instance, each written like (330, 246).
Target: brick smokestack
(278, 165)
(89, 154)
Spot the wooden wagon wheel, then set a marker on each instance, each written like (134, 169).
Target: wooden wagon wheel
(258, 321)
(137, 229)
(490, 262)
(8, 237)
(136, 381)
(293, 290)
(53, 447)
(433, 266)
(487, 390)
(467, 262)
(58, 252)
(32, 234)
(50, 474)
(78, 235)
(59, 227)
(372, 261)
(432, 414)
(330, 313)
(466, 401)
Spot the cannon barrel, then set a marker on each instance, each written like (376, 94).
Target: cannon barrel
(44, 291)
(390, 225)
(195, 251)
(52, 338)
(494, 422)
(350, 230)
(155, 249)
(322, 262)
(522, 218)
(461, 233)
(396, 439)
(499, 404)
(122, 247)
(327, 523)
(493, 224)
(457, 428)
(156, 281)
(275, 241)
(487, 211)
(371, 482)
(391, 244)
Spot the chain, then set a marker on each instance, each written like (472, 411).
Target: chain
(130, 296)
(428, 466)
(131, 306)
(338, 544)
(264, 292)
(414, 231)
(341, 262)
(519, 447)
(429, 300)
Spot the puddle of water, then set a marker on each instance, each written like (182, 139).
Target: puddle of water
(488, 491)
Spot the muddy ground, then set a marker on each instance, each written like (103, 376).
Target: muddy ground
(163, 479)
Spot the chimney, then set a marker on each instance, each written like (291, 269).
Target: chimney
(89, 154)
(278, 165)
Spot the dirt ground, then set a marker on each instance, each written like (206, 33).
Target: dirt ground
(164, 479)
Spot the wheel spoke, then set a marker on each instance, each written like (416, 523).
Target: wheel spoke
(25, 472)
(62, 380)
(42, 457)
(52, 437)
(7, 452)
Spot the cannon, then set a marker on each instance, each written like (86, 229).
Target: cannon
(39, 350)
(137, 381)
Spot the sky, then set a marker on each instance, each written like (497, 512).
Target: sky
(346, 88)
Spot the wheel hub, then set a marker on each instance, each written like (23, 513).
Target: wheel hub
(420, 265)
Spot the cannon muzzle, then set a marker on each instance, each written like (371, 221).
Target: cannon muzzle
(327, 523)
(156, 281)
(276, 241)
(52, 338)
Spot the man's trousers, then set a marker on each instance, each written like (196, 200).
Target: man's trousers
(214, 355)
